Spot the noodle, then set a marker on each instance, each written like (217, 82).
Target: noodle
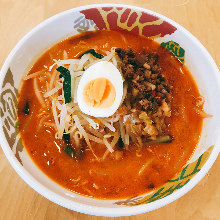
(55, 114)
(83, 132)
(65, 55)
(108, 145)
(52, 91)
(144, 166)
(33, 75)
(37, 93)
(110, 127)
(53, 77)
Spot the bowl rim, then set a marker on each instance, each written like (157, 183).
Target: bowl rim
(90, 209)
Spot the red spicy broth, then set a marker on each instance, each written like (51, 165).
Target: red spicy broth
(109, 178)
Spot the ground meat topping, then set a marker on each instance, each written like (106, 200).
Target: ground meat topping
(148, 99)
(146, 84)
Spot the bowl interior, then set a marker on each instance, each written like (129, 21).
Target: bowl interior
(114, 17)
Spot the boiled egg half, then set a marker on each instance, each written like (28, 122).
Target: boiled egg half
(100, 90)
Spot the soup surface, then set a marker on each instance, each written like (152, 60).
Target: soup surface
(136, 171)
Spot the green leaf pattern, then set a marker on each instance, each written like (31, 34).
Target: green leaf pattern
(179, 181)
(175, 49)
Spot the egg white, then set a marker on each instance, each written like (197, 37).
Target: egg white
(102, 69)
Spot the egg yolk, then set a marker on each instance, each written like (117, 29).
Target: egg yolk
(99, 93)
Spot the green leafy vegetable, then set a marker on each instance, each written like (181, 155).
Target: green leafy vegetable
(161, 139)
(65, 73)
(66, 137)
(94, 53)
(120, 142)
(69, 150)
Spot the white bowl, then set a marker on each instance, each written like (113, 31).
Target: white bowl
(68, 23)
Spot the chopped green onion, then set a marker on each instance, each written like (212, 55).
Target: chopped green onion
(65, 73)
(151, 186)
(17, 123)
(26, 109)
(69, 150)
(94, 53)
